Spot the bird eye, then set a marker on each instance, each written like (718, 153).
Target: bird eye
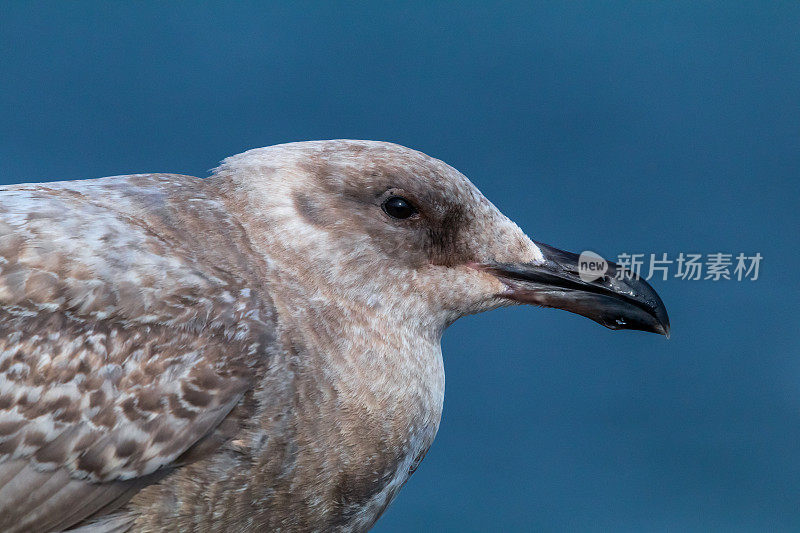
(398, 207)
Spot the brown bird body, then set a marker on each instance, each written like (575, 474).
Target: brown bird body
(254, 351)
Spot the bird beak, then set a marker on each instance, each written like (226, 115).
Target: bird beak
(615, 301)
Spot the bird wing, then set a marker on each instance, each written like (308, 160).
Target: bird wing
(119, 348)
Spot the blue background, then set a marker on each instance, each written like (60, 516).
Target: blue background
(617, 127)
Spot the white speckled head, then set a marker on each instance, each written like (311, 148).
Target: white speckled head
(325, 201)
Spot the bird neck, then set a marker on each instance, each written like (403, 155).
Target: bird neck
(377, 356)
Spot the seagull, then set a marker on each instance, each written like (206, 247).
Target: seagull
(258, 350)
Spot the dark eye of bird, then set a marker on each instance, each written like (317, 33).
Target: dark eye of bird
(398, 207)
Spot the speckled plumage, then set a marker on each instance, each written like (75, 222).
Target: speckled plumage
(258, 350)
(254, 351)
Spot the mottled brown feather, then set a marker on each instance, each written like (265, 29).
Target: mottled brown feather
(257, 351)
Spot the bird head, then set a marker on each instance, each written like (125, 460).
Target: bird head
(390, 228)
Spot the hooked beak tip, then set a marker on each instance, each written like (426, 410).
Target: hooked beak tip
(624, 302)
